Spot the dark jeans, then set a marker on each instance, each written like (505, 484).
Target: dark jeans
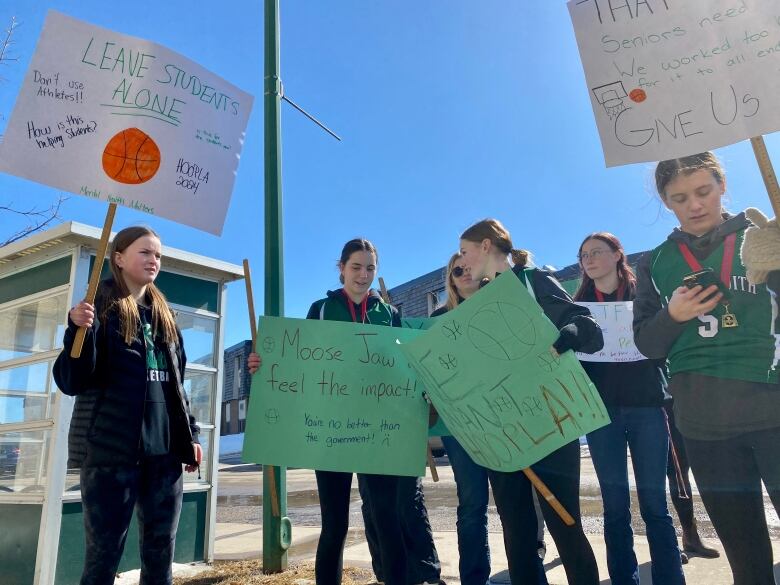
(334, 491)
(471, 480)
(560, 471)
(108, 495)
(643, 431)
(729, 474)
(683, 506)
(421, 558)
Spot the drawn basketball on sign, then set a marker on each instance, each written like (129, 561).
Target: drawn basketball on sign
(131, 157)
(489, 332)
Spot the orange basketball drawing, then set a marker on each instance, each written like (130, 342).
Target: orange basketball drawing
(637, 95)
(131, 157)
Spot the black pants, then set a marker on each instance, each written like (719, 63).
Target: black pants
(422, 560)
(334, 491)
(683, 506)
(108, 495)
(729, 474)
(560, 471)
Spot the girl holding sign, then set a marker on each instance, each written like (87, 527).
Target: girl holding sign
(485, 248)
(358, 303)
(695, 307)
(633, 393)
(131, 429)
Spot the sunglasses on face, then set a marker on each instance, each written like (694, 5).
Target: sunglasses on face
(458, 271)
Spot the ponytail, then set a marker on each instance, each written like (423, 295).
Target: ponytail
(520, 258)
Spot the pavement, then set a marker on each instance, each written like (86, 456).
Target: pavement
(239, 527)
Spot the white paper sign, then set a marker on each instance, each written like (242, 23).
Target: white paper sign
(121, 119)
(670, 78)
(616, 322)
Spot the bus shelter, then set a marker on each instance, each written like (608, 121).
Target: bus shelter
(41, 525)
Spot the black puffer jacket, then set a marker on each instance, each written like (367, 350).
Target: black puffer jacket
(109, 383)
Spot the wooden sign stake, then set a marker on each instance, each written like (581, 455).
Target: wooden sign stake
(94, 278)
(767, 172)
(545, 492)
(253, 328)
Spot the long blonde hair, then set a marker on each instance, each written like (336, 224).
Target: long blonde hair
(113, 295)
(453, 297)
(494, 230)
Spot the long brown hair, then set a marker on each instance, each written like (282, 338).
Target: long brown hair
(626, 276)
(113, 295)
(494, 230)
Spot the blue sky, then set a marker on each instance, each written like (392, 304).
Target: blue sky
(450, 111)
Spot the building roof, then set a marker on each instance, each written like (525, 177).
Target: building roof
(71, 232)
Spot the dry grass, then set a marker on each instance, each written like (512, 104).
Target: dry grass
(251, 573)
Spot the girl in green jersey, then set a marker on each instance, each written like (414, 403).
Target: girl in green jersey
(696, 307)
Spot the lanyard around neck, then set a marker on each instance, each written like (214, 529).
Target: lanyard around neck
(729, 246)
(351, 305)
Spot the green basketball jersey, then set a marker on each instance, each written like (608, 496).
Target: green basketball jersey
(749, 351)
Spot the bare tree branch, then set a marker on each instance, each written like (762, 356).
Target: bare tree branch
(39, 218)
(5, 44)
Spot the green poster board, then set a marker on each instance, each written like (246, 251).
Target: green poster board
(417, 322)
(337, 397)
(488, 370)
(423, 323)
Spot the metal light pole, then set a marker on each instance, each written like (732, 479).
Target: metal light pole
(276, 528)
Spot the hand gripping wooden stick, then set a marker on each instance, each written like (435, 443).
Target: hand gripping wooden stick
(250, 302)
(767, 172)
(548, 495)
(94, 278)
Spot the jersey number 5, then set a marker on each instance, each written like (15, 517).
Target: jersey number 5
(710, 327)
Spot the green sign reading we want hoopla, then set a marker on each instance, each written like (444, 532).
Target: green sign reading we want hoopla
(336, 396)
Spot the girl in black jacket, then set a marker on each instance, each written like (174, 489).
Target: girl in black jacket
(131, 429)
(484, 248)
(633, 393)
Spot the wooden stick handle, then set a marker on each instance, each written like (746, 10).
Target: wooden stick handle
(94, 278)
(432, 465)
(250, 303)
(383, 290)
(767, 172)
(545, 492)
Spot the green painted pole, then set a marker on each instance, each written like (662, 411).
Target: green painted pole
(276, 529)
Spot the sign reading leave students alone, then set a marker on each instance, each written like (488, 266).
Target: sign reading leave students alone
(337, 397)
(488, 369)
(121, 119)
(669, 78)
(616, 322)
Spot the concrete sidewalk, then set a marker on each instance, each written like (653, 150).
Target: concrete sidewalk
(242, 541)
(239, 540)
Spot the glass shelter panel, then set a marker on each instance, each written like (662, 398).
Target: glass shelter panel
(25, 392)
(199, 333)
(23, 457)
(32, 328)
(200, 390)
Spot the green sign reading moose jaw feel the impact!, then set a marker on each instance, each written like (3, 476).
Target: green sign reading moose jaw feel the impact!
(488, 370)
(336, 397)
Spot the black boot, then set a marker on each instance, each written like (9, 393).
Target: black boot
(692, 543)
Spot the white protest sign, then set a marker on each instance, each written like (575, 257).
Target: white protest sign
(124, 120)
(670, 78)
(616, 322)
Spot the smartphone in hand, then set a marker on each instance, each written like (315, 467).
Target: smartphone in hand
(706, 278)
